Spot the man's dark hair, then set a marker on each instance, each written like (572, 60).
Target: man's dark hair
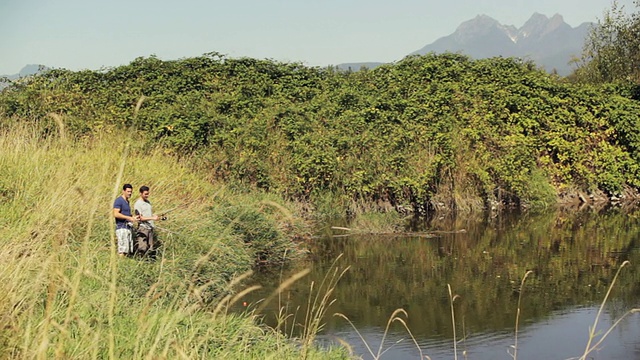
(143, 188)
(127, 186)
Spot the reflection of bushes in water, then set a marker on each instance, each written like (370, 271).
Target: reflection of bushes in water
(376, 223)
(573, 259)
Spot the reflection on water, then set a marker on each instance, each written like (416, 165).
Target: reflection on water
(562, 335)
(573, 257)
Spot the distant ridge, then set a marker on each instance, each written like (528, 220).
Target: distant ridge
(549, 42)
(358, 66)
(28, 70)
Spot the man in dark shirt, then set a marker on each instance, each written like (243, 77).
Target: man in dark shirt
(124, 221)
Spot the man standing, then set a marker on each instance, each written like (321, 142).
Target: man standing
(124, 221)
(145, 238)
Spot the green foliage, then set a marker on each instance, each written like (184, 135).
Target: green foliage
(425, 131)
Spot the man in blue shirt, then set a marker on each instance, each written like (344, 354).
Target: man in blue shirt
(124, 221)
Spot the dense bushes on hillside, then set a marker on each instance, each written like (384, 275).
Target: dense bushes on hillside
(430, 131)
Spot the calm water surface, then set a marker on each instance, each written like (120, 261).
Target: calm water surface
(573, 257)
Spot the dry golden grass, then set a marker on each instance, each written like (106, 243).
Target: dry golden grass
(64, 293)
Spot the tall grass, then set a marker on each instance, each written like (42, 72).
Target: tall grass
(452, 299)
(514, 355)
(593, 330)
(595, 337)
(65, 294)
(396, 316)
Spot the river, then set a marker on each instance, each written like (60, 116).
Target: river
(572, 257)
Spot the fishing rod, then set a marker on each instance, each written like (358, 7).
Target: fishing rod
(163, 214)
(169, 231)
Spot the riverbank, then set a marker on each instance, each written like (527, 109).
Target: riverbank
(64, 293)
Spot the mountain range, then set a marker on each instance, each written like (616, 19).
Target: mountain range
(549, 42)
(28, 70)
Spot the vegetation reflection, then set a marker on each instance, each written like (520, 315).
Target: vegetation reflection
(572, 256)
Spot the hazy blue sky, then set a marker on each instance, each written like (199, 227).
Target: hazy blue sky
(89, 34)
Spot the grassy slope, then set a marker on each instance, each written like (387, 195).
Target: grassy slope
(65, 294)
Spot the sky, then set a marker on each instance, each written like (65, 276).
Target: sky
(95, 34)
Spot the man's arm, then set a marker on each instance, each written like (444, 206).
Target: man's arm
(144, 218)
(138, 210)
(118, 215)
(153, 217)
